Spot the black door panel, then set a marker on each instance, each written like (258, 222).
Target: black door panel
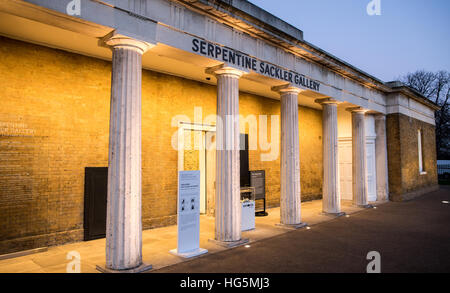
(95, 195)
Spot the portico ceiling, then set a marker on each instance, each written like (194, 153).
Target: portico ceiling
(160, 58)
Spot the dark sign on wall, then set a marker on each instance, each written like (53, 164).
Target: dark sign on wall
(258, 181)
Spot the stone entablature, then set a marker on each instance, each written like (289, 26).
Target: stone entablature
(400, 103)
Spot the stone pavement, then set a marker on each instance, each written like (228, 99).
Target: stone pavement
(157, 243)
(410, 237)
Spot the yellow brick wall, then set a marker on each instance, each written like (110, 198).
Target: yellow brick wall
(54, 122)
(403, 156)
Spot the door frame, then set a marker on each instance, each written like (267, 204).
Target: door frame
(370, 141)
(183, 126)
(371, 194)
(343, 141)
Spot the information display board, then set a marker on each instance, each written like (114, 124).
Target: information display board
(258, 182)
(188, 218)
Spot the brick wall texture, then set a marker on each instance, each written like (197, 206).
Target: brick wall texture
(403, 156)
(54, 122)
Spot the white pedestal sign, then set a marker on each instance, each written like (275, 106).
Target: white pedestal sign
(188, 215)
(248, 215)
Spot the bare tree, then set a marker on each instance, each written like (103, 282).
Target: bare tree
(436, 87)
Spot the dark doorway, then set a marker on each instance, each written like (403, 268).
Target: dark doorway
(243, 156)
(95, 194)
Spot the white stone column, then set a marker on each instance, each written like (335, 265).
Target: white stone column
(331, 200)
(381, 158)
(228, 197)
(359, 158)
(124, 223)
(290, 196)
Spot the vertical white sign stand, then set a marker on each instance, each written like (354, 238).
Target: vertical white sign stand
(188, 218)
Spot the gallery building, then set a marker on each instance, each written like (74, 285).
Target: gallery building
(115, 97)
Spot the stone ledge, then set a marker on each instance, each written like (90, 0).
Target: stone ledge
(413, 194)
(23, 253)
(39, 241)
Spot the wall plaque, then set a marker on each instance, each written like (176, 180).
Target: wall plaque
(258, 182)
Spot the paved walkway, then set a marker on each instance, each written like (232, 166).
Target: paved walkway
(411, 236)
(157, 243)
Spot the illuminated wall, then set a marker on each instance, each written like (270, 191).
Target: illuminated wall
(54, 122)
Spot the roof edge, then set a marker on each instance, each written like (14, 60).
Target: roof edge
(254, 15)
(398, 86)
(257, 15)
(279, 28)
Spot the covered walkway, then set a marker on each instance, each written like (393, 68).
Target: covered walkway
(156, 243)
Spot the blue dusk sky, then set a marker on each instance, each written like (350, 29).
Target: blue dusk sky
(407, 36)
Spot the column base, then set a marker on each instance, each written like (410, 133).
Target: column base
(292, 227)
(189, 254)
(364, 206)
(230, 244)
(337, 215)
(140, 269)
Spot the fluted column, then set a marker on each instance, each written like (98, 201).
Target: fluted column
(381, 158)
(359, 158)
(228, 198)
(290, 196)
(124, 223)
(331, 199)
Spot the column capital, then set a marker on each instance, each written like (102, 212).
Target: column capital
(286, 88)
(116, 40)
(359, 110)
(379, 116)
(328, 101)
(223, 69)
